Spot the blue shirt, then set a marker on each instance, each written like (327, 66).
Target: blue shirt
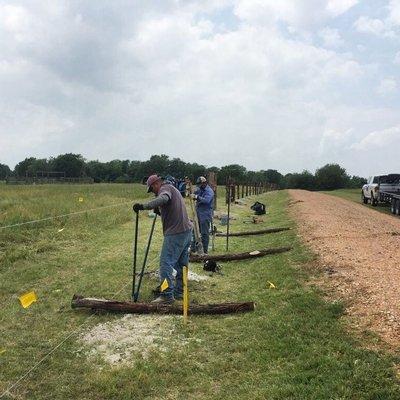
(205, 203)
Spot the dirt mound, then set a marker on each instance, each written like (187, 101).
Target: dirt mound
(132, 336)
(360, 249)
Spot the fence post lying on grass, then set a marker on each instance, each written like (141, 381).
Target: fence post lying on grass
(79, 301)
(239, 256)
(249, 233)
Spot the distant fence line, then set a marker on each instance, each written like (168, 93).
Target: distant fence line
(46, 180)
(238, 191)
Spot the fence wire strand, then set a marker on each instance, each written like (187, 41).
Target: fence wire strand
(63, 215)
(14, 385)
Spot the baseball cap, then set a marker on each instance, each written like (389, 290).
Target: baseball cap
(200, 180)
(151, 179)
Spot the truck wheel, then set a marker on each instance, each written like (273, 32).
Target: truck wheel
(397, 206)
(373, 200)
(363, 198)
(393, 206)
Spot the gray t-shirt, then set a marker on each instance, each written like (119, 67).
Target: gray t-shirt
(173, 210)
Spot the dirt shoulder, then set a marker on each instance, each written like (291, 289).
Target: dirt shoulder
(360, 250)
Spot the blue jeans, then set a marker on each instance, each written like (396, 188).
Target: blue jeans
(174, 255)
(204, 233)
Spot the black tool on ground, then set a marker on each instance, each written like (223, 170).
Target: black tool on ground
(258, 208)
(136, 290)
(212, 266)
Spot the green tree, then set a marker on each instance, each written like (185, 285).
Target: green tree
(195, 170)
(135, 171)
(96, 170)
(330, 177)
(235, 171)
(356, 182)
(178, 168)
(21, 168)
(114, 169)
(4, 171)
(72, 164)
(38, 166)
(304, 180)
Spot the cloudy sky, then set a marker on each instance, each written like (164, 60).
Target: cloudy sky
(288, 84)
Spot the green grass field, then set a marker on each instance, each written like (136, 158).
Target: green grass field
(295, 345)
(355, 195)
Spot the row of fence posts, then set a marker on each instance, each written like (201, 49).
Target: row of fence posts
(236, 191)
(239, 191)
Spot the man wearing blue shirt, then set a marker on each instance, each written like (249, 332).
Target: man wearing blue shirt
(204, 197)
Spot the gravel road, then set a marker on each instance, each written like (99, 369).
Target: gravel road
(359, 249)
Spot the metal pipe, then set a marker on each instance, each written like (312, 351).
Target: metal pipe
(135, 254)
(229, 213)
(136, 293)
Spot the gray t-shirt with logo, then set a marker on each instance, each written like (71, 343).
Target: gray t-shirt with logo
(173, 210)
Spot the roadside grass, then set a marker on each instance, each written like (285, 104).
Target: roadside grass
(294, 346)
(355, 196)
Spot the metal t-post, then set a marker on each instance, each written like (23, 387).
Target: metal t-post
(136, 292)
(135, 254)
(229, 214)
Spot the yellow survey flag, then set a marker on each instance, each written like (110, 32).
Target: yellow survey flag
(80, 199)
(164, 285)
(27, 299)
(271, 285)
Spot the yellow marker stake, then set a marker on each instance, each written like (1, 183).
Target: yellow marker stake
(27, 299)
(185, 293)
(80, 199)
(164, 285)
(271, 285)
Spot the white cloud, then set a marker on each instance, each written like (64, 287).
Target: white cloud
(138, 78)
(300, 14)
(387, 86)
(379, 139)
(397, 58)
(365, 24)
(14, 18)
(394, 12)
(338, 7)
(331, 37)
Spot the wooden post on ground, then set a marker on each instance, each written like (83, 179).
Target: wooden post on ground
(91, 303)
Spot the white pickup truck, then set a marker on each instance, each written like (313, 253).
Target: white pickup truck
(383, 189)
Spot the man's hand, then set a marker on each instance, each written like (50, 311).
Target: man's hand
(193, 196)
(137, 207)
(157, 210)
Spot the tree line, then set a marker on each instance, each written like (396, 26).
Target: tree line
(328, 177)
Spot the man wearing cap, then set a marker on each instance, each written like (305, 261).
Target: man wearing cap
(204, 197)
(177, 230)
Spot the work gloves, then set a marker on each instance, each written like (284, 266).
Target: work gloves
(137, 207)
(157, 211)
